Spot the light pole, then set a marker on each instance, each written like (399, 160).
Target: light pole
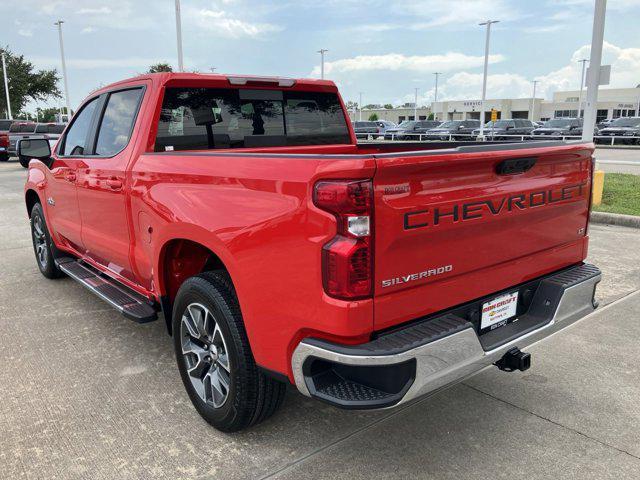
(533, 99)
(179, 36)
(484, 76)
(322, 51)
(593, 75)
(583, 61)
(213, 69)
(360, 107)
(64, 68)
(435, 96)
(6, 86)
(415, 105)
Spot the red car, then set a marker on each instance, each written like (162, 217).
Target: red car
(280, 251)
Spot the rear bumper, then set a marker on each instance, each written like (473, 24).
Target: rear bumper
(426, 356)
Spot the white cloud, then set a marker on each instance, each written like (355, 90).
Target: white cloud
(396, 61)
(87, 30)
(104, 10)
(223, 24)
(96, 63)
(25, 32)
(461, 12)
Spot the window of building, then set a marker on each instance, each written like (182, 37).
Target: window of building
(206, 118)
(572, 99)
(401, 118)
(422, 117)
(624, 112)
(565, 113)
(601, 115)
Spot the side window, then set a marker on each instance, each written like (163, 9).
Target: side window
(117, 122)
(77, 135)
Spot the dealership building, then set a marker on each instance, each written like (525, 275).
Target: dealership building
(612, 103)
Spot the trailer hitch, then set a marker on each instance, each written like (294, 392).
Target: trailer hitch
(513, 360)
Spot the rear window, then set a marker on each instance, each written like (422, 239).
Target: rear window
(46, 128)
(23, 128)
(209, 118)
(5, 124)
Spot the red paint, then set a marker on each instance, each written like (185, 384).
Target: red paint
(256, 214)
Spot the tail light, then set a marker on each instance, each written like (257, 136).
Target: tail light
(4, 140)
(347, 260)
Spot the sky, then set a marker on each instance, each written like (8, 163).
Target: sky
(382, 48)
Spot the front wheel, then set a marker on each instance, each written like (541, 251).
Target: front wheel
(214, 357)
(42, 244)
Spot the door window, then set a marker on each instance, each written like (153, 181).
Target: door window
(76, 137)
(117, 122)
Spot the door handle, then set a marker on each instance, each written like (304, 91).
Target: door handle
(114, 183)
(70, 177)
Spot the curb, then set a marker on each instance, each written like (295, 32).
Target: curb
(615, 219)
(604, 146)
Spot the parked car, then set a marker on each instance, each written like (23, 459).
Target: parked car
(560, 127)
(503, 129)
(364, 129)
(385, 125)
(605, 123)
(626, 128)
(410, 129)
(4, 139)
(454, 129)
(281, 251)
(17, 131)
(539, 124)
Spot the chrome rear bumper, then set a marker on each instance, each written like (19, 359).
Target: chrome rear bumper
(448, 351)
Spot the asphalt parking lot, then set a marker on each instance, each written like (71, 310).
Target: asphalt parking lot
(85, 393)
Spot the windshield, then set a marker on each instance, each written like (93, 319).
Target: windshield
(22, 128)
(626, 122)
(558, 122)
(407, 124)
(452, 123)
(5, 124)
(503, 124)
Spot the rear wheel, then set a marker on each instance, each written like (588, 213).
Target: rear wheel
(214, 357)
(42, 244)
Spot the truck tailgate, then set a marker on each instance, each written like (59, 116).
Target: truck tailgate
(453, 226)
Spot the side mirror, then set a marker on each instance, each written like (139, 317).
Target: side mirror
(509, 127)
(39, 149)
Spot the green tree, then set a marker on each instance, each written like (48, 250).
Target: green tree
(351, 105)
(431, 117)
(47, 115)
(160, 67)
(373, 117)
(25, 83)
(388, 106)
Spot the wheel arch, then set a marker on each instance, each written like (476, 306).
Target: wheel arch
(178, 259)
(31, 197)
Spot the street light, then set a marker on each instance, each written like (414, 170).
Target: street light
(583, 61)
(415, 105)
(322, 51)
(484, 76)
(593, 76)
(64, 68)
(533, 99)
(179, 36)
(435, 96)
(360, 107)
(6, 87)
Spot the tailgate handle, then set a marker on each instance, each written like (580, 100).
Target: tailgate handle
(515, 165)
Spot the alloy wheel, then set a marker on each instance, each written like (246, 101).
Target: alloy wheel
(40, 240)
(205, 355)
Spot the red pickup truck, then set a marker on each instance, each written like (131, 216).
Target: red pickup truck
(281, 251)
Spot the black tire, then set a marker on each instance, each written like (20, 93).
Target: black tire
(42, 244)
(251, 396)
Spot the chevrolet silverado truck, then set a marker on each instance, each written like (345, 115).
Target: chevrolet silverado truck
(280, 251)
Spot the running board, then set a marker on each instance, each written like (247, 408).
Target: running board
(130, 304)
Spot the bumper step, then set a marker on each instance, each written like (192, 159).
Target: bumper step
(420, 358)
(133, 306)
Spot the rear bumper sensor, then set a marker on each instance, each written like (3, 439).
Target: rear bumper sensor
(133, 306)
(424, 357)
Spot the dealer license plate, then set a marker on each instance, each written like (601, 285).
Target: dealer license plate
(498, 312)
